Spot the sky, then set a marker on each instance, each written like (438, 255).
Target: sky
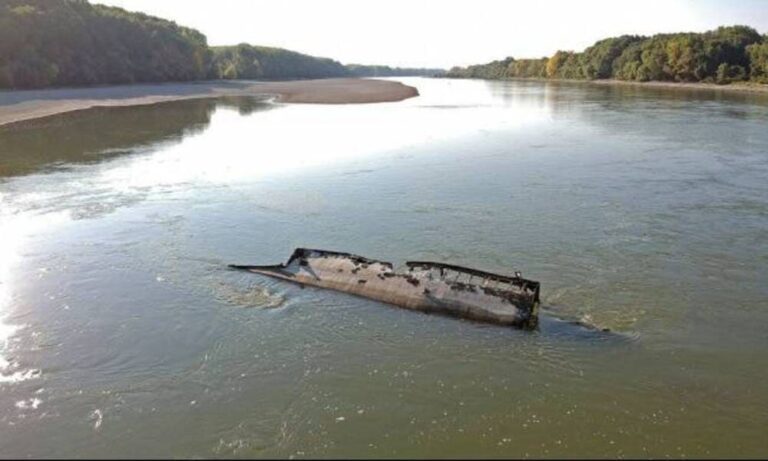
(442, 33)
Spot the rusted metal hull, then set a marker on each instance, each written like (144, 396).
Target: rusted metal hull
(424, 286)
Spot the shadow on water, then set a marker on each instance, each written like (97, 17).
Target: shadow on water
(106, 92)
(97, 134)
(563, 93)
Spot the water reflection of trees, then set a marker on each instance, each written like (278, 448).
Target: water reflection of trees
(631, 108)
(93, 135)
(563, 95)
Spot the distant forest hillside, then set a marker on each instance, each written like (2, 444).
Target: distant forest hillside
(259, 62)
(72, 42)
(246, 61)
(726, 55)
(361, 70)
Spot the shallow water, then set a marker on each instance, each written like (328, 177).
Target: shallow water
(640, 210)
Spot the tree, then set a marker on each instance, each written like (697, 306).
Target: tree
(758, 57)
(728, 73)
(361, 70)
(599, 58)
(528, 68)
(71, 42)
(685, 60)
(555, 63)
(246, 61)
(728, 44)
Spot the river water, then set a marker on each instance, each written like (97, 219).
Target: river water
(640, 210)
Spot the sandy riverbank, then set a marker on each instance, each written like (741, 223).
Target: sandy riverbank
(18, 106)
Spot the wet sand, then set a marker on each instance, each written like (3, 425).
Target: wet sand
(19, 106)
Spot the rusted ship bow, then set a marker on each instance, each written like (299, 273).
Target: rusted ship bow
(424, 286)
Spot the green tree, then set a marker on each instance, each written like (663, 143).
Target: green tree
(758, 57)
(729, 45)
(728, 73)
(246, 61)
(685, 60)
(555, 63)
(627, 65)
(599, 58)
(361, 70)
(724, 55)
(71, 42)
(528, 68)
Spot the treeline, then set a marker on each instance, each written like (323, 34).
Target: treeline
(246, 61)
(72, 42)
(260, 62)
(726, 55)
(361, 70)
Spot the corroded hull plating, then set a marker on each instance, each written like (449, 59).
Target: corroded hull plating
(424, 286)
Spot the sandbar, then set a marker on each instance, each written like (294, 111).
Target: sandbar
(20, 106)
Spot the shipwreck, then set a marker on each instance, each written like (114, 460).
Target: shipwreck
(424, 286)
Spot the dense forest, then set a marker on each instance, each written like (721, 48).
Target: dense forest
(258, 62)
(57, 42)
(73, 42)
(245, 61)
(726, 55)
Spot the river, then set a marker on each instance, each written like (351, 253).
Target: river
(643, 211)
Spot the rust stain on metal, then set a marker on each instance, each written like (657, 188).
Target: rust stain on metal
(424, 286)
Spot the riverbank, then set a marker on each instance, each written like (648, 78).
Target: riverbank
(19, 106)
(737, 87)
(740, 87)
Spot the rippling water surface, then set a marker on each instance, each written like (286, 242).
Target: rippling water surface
(643, 211)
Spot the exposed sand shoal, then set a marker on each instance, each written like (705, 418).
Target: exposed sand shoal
(18, 106)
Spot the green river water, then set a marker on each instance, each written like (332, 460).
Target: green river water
(640, 210)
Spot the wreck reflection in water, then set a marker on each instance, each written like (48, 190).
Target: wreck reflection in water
(638, 210)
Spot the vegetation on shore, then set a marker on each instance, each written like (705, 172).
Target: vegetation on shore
(245, 61)
(56, 42)
(73, 42)
(725, 55)
(361, 70)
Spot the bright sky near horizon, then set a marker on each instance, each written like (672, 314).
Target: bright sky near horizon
(421, 33)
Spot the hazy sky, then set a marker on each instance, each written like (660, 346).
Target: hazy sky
(442, 33)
